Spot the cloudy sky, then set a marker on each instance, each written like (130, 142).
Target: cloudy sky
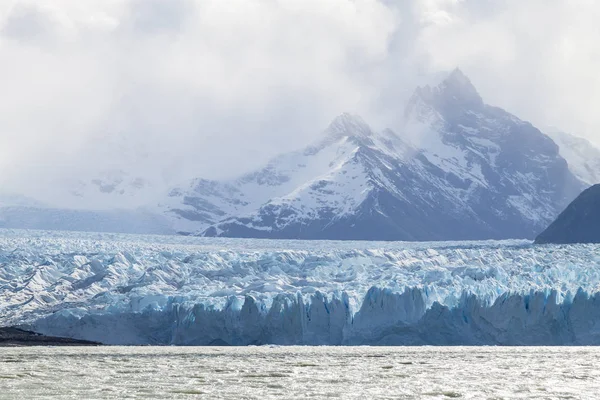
(182, 88)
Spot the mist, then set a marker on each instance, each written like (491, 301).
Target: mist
(172, 90)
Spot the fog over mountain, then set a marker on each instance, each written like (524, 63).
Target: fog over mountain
(140, 95)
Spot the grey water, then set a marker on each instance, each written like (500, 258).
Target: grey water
(300, 372)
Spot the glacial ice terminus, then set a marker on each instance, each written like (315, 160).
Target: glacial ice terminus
(122, 289)
(578, 223)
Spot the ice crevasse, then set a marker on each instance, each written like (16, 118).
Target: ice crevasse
(125, 289)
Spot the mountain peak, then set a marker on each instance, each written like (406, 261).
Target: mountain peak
(458, 77)
(456, 90)
(459, 87)
(350, 125)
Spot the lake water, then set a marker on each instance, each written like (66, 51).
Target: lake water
(300, 372)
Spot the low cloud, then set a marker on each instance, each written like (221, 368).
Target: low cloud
(185, 88)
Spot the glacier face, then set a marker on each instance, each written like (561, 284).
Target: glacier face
(131, 289)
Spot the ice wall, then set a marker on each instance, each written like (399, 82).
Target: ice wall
(122, 289)
(385, 318)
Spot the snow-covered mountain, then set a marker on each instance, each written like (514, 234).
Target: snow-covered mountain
(111, 189)
(68, 219)
(108, 203)
(581, 155)
(326, 181)
(115, 182)
(457, 169)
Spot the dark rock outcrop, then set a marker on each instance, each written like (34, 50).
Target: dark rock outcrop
(18, 337)
(578, 223)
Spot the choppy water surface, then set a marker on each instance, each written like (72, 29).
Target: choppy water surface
(300, 372)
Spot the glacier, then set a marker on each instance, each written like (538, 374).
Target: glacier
(168, 290)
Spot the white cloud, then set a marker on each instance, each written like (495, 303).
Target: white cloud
(209, 87)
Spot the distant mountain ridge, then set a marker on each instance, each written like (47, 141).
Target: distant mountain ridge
(455, 169)
(458, 169)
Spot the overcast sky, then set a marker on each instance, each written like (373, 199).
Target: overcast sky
(182, 88)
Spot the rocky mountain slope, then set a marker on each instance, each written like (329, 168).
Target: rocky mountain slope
(457, 169)
(578, 223)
